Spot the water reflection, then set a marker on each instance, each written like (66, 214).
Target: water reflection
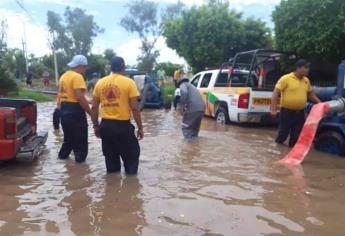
(224, 183)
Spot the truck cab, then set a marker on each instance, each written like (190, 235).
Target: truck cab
(241, 90)
(18, 130)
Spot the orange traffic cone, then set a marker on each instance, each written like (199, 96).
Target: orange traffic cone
(261, 78)
(229, 75)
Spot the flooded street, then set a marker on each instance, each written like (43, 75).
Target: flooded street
(224, 183)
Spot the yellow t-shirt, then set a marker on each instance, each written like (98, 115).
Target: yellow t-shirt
(114, 92)
(294, 91)
(70, 81)
(177, 75)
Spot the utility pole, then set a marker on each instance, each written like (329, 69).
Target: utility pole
(25, 50)
(55, 61)
(25, 56)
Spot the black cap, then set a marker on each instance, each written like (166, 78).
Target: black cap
(117, 64)
(302, 63)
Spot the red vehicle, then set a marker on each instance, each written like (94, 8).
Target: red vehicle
(18, 130)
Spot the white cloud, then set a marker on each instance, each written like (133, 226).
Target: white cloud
(93, 12)
(187, 2)
(131, 50)
(36, 35)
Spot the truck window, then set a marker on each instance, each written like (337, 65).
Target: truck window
(195, 81)
(222, 80)
(206, 80)
(239, 80)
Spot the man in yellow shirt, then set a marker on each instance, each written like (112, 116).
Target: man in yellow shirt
(118, 97)
(72, 97)
(294, 90)
(177, 75)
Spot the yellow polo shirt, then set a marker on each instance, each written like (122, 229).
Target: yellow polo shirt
(294, 91)
(114, 92)
(177, 74)
(70, 81)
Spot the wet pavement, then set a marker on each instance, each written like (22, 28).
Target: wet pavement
(224, 183)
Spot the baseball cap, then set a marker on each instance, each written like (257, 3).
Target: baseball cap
(78, 60)
(302, 63)
(117, 63)
(94, 75)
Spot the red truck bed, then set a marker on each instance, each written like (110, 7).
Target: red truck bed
(18, 125)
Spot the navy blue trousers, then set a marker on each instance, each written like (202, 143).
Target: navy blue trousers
(74, 126)
(290, 123)
(119, 141)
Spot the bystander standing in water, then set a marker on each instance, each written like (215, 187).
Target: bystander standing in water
(294, 89)
(118, 98)
(74, 106)
(192, 107)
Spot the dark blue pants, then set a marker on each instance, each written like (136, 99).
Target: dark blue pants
(74, 125)
(56, 119)
(290, 123)
(176, 101)
(119, 141)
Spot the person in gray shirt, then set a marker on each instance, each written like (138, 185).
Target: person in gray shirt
(92, 83)
(193, 108)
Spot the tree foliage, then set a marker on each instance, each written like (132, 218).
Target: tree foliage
(315, 29)
(109, 54)
(14, 60)
(210, 34)
(7, 83)
(74, 33)
(97, 64)
(143, 18)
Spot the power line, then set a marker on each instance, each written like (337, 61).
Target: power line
(51, 44)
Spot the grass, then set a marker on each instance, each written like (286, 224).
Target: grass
(168, 90)
(38, 97)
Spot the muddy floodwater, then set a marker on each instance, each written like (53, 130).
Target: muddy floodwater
(224, 183)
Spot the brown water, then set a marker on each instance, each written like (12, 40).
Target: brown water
(225, 183)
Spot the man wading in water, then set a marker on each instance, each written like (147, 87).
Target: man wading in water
(295, 90)
(193, 108)
(118, 97)
(74, 104)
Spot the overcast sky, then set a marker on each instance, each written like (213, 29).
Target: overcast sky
(107, 14)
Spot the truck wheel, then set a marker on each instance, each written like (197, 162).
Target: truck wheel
(222, 116)
(331, 142)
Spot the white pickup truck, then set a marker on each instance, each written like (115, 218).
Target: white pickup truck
(236, 103)
(242, 93)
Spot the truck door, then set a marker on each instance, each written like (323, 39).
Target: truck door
(195, 80)
(205, 88)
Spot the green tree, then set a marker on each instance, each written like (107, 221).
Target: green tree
(75, 33)
(62, 60)
(315, 29)
(17, 59)
(256, 35)
(210, 34)
(3, 36)
(6, 78)
(143, 19)
(109, 54)
(38, 68)
(97, 64)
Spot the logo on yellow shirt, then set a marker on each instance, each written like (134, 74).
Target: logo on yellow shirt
(111, 93)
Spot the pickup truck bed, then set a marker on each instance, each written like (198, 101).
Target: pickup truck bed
(18, 136)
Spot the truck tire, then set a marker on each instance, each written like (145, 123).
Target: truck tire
(222, 116)
(331, 142)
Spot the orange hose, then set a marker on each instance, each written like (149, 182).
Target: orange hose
(305, 140)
